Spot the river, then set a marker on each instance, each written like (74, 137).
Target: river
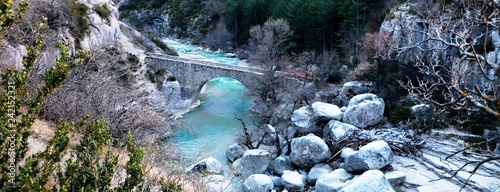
(211, 127)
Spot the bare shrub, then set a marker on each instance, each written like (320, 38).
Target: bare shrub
(219, 37)
(272, 39)
(106, 86)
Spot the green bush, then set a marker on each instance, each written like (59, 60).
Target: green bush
(164, 47)
(151, 76)
(80, 27)
(103, 11)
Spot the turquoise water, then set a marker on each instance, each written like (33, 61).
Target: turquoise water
(211, 127)
(199, 53)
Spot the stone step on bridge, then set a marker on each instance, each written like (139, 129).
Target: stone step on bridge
(193, 74)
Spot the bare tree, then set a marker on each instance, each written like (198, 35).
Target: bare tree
(449, 42)
(456, 46)
(272, 38)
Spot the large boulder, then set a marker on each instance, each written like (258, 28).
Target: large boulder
(317, 171)
(308, 151)
(253, 161)
(325, 112)
(258, 183)
(234, 152)
(281, 164)
(372, 180)
(206, 166)
(374, 155)
(333, 181)
(335, 131)
(364, 110)
(293, 180)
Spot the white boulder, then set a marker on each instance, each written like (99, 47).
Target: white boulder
(258, 183)
(374, 155)
(234, 152)
(317, 171)
(335, 131)
(293, 180)
(308, 151)
(253, 161)
(372, 180)
(364, 110)
(325, 111)
(206, 166)
(333, 181)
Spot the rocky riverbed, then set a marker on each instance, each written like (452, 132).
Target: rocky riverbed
(349, 153)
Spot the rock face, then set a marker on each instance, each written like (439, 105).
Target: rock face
(335, 131)
(372, 180)
(333, 181)
(258, 183)
(206, 166)
(281, 164)
(308, 151)
(352, 88)
(374, 155)
(253, 161)
(293, 180)
(364, 110)
(325, 111)
(234, 152)
(104, 31)
(317, 171)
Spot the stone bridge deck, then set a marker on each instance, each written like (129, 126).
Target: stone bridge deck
(193, 74)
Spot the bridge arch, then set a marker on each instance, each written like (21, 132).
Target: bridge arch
(192, 74)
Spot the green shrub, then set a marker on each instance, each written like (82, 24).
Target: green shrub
(103, 11)
(80, 26)
(164, 47)
(151, 76)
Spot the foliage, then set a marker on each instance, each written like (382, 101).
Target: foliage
(103, 11)
(164, 47)
(90, 166)
(78, 11)
(9, 14)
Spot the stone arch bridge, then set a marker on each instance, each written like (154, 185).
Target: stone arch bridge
(193, 74)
